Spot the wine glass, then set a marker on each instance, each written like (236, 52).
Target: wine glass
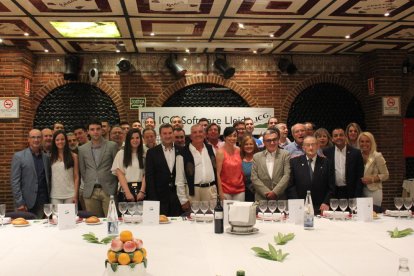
(139, 210)
(2, 212)
(343, 204)
(204, 205)
(132, 207)
(272, 205)
(263, 207)
(334, 205)
(55, 211)
(195, 206)
(47, 209)
(352, 205)
(281, 205)
(398, 201)
(123, 207)
(408, 203)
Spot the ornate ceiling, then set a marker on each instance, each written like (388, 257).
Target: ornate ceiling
(209, 26)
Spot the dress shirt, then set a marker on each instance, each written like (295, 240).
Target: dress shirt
(169, 154)
(270, 162)
(217, 146)
(340, 161)
(294, 149)
(203, 171)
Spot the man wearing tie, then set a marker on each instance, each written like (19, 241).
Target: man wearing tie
(311, 172)
(271, 168)
(160, 173)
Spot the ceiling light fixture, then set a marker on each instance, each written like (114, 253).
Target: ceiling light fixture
(221, 65)
(387, 14)
(254, 52)
(175, 68)
(190, 44)
(152, 34)
(117, 50)
(347, 36)
(1, 40)
(46, 51)
(271, 35)
(187, 50)
(241, 25)
(26, 34)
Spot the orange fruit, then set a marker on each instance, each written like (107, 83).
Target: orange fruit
(123, 259)
(144, 252)
(138, 257)
(125, 236)
(112, 257)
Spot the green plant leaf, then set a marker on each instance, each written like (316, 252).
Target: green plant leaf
(107, 240)
(273, 251)
(132, 265)
(145, 262)
(259, 250)
(400, 233)
(114, 267)
(282, 239)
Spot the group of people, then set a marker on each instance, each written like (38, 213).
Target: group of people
(137, 163)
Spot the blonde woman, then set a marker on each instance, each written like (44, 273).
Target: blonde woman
(375, 171)
(352, 133)
(324, 139)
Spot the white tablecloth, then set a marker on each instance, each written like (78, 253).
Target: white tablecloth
(189, 248)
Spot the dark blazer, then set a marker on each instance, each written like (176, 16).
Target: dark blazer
(24, 178)
(354, 169)
(160, 182)
(322, 186)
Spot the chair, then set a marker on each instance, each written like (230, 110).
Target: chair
(21, 214)
(85, 214)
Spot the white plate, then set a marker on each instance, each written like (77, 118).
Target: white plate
(21, 225)
(93, 223)
(165, 222)
(396, 213)
(255, 230)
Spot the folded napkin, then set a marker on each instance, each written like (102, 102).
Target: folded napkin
(336, 215)
(6, 220)
(396, 213)
(207, 217)
(132, 219)
(240, 211)
(269, 216)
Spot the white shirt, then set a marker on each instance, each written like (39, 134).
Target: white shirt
(270, 162)
(340, 160)
(203, 172)
(169, 156)
(132, 173)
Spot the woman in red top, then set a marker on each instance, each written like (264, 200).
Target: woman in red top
(229, 168)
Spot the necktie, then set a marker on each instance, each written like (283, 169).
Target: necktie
(310, 168)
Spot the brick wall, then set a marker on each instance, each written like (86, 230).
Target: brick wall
(256, 80)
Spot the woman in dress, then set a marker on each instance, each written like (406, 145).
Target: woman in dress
(324, 139)
(128, 166)
(248, 148)
(352, 133)
(229, 168)
(375, 171)
(65, 171)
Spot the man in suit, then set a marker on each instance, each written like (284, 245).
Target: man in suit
(30, 176)
(95, 163)
(314, 173)
(160, 173)
(348, 164)
(271, 168)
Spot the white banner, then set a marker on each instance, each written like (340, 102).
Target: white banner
(223, 116)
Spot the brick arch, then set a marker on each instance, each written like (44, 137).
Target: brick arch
(325, 78)
(184, 82)
(105, 87)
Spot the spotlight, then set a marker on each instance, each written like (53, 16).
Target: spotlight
(175, 68)
(124, 65)
(221, 65)
(287, 66)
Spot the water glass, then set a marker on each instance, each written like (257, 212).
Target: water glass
(132, 207)
(272, 205)
(140, 208)
(55, 210)
(263, 207)
(408, 203)
(2, 212)
(398, 202)
(343, 204)
(47, 209)
(334, 203)
(123, 207)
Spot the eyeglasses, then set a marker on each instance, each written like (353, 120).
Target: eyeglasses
(241, 129)
(274, 140)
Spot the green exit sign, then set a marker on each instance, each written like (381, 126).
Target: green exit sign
(136, 103)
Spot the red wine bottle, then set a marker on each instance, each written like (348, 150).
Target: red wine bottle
(218, 217)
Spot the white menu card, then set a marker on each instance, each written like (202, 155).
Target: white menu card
(365, 206)
(296, 210)
(66, 216)
(151, 212)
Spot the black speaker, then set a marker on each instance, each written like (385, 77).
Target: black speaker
(72, 67)
(286, 66)
(124, 65)
(93, 75)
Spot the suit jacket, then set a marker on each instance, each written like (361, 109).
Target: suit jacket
(90, 172)
(24, 178)
(160, 182)
(322, 185)
(376, 165)
(261, 179)
(354, 169)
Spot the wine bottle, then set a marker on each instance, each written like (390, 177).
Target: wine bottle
(218, 217)
(309, 212)
(112, 218)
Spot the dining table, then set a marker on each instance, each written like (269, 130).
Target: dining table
(183, 247)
